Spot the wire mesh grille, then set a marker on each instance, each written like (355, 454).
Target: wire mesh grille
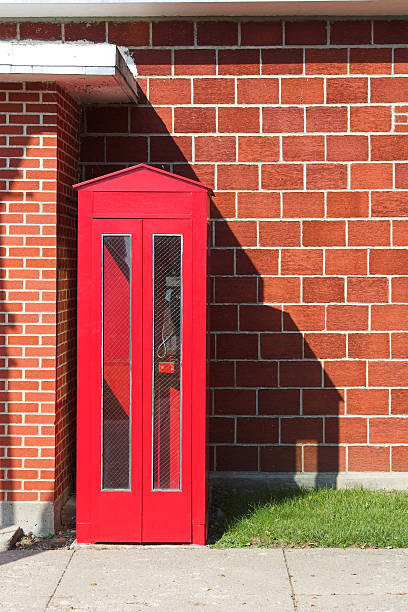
(167, 331)
(116, 363)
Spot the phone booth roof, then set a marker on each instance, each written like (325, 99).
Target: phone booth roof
(142, 177)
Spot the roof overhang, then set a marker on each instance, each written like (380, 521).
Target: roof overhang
(168, 8)
(89, 72)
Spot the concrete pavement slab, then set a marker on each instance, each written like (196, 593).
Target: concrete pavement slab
(28, 579)
(352, 579)
(174, 580)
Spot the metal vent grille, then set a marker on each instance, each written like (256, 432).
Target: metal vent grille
(167, 361)
(116, 362)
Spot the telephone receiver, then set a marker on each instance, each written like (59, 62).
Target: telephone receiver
(172, 304)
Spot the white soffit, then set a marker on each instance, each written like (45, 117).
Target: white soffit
(169, 8)
(89, 72)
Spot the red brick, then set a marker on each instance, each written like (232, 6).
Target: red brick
(401, 176)
(371, 176)
(399, 346)
(153, 61)
(367, 289)
(217, 33)
(399, 401)
(281, 458)
(237, 458)
(347, 204)
(279, 233)
(151, 121)
(389, 316)
(123, 148)
(364, 233)
(399, 455)
(278, 120)
(391, 32)
(258, 205)
(384, 148)
(347, 90)
(303, 318)
(324, 233)
(303, 148)
(323, 290)
(322, 401)
(8, 30)
(257, 374)
(193, 62)
(170, 91)
(324, 346)
(214, 91)
(282, 176)
(326, 176)
(215, 148)
(399, 290)
(257, 430)
(387, 374)
(383, 430)
(346, 430)
(350, 32)
(281, 346)
(305, 32)
(387, 261)
(221, 430)
(389, 89)
(347, 317)
(258, 148)
(240, 120)
(302, 261)
(303, 205)
(390, 204)
(129, 34)
(257, 91)
(235, 233)
(256, 33)
(344, 374)
(347, 148)
(370, 61)
(194, 119)
(280, 290)
(367, 401)
(237, 346)
(41, 30)
(237, 176)
(370, 119)
(326, 61)
(81, 30)
(320, 458)
(279, 401)
(169, 33)
(400, 233)
(301, 430)
(235, 290)
(257, 261)
(302, 91)
(221, 261)
(369, 459)
(260, 318)
(234, 401)
(326, 119)
(238, 61)
(170, 148)
(369, 346)
(282, 61)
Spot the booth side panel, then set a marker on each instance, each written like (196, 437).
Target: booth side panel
(199, 372)
(84, 452)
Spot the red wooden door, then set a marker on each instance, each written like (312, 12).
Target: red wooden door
(140, 438)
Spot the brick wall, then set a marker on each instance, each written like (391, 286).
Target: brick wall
(299, 126)
(34, 402)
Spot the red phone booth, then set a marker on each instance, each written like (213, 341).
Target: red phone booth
(142, 266)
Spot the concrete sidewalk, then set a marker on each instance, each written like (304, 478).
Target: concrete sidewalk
(186, 579)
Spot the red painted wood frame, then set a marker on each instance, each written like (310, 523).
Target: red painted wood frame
(174, 207)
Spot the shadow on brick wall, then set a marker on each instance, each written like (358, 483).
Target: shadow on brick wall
(275, 409)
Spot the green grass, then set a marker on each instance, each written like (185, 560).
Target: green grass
(299, 517)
